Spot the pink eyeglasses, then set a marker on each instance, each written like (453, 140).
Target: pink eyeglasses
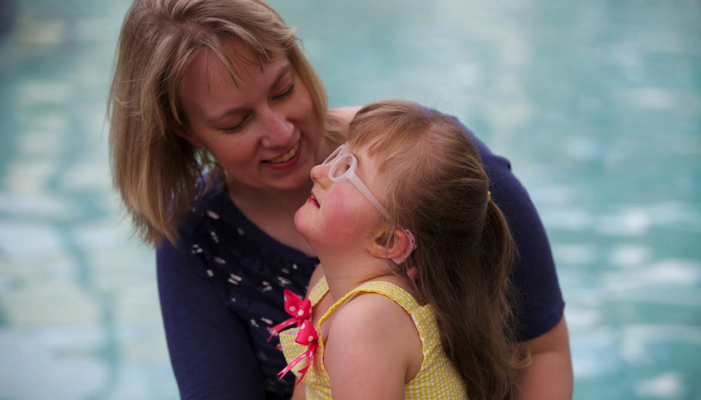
(343, 167)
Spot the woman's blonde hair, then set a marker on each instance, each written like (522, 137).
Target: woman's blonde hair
(440, 192)
(154, 168)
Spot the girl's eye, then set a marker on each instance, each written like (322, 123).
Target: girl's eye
(237, 127)
(286, 93)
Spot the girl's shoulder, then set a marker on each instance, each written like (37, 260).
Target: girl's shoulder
(378, 308)
(376, 299)
(374, 325)
(373, 315)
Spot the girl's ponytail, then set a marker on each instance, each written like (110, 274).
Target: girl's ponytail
(499, 252)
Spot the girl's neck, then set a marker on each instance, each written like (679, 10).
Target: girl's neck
(344, 274)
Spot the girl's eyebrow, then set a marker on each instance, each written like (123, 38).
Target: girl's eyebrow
(359, 167)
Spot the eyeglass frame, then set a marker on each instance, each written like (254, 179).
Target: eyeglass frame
(350, 174)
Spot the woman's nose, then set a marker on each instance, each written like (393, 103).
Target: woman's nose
(277, 130)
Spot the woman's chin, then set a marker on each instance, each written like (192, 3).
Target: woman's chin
(293, 182)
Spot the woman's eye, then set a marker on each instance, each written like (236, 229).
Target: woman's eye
(237, 127)
(285, 93)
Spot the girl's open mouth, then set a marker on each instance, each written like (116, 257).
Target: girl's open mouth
(312, 199)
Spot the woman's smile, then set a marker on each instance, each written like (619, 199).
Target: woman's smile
(286, 160)
(280, 139)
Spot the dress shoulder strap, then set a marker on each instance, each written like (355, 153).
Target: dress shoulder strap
(387, 289)
(318, 290)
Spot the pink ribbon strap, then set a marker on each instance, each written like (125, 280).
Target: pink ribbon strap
(299, 309)
(307, 336)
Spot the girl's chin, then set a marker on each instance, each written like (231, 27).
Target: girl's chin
(304, 223)
(301, 219)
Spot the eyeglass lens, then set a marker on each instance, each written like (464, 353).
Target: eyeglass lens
(342, 165)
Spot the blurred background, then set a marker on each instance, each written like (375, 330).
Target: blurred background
(596, 103)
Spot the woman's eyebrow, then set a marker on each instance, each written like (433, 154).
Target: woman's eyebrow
(283, 71)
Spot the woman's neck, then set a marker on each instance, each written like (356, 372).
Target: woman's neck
(287, 201)
(273, 212)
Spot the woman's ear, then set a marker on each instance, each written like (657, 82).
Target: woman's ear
(187, 134)
(395, 245)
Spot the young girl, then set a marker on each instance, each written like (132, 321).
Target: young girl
(415, 260)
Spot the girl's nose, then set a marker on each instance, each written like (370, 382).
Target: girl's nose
(277, 130)
(320, 173)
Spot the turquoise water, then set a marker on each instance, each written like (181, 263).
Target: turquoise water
(597, 104)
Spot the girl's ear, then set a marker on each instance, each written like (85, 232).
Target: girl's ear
(396, 247)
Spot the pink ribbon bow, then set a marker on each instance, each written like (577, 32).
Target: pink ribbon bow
(307, 336)
(299, 309)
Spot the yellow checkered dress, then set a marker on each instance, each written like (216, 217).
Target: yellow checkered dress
(437, 379)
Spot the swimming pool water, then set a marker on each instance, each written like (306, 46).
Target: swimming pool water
(597, 104)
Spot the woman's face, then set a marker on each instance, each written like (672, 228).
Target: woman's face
(263, 132)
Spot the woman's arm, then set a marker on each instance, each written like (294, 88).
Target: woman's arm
(209, 348)
(550, 374)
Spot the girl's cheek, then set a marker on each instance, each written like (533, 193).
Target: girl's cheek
(342, 221)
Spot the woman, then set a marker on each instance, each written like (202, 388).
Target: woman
(216, 120)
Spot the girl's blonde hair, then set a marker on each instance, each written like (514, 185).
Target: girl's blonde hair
(154, 168)
(439, 191)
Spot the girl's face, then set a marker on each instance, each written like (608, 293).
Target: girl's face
(263, 132)
(338, 216)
